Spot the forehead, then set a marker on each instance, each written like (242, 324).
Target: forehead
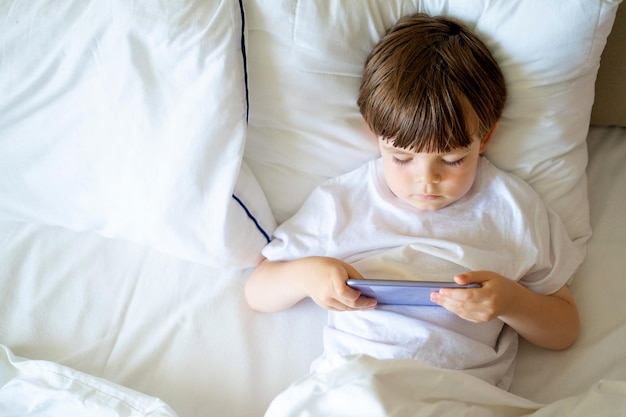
(387, 145)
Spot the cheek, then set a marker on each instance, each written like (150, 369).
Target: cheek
(397, 179)
(463, 179)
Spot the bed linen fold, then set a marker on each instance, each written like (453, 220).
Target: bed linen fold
(363, 386)
(43, 388)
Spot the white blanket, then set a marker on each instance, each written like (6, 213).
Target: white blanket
(47, 389)
(362, 386)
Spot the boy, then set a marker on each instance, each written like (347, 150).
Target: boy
(430, 208)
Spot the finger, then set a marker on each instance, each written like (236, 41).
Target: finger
(358, 303)
(459, 301)
(345, 293)
(352, 271)
(462, 279)
(436, 298)
(465, 306)
(339, 306)
(364, 303)
(349, 303)
(446, 300)
(336, 305)
(459, 294)
(353, 298)
(471, 277)
(454, 306)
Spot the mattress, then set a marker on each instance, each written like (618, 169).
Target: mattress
(132, 318)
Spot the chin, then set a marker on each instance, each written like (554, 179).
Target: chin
(429, 206)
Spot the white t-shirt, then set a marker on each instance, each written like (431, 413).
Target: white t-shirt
(500, 225)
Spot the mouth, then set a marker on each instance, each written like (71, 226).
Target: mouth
(427, 197)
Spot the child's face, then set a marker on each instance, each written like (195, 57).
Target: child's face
(430, 181)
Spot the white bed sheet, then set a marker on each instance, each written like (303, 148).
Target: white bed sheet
(38, 388)
(599, 287)
(168, 328)
(182, 332)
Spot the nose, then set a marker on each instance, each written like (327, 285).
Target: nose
(427, 174)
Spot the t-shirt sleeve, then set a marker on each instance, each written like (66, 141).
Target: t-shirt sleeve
(306, 232)
(559, 256)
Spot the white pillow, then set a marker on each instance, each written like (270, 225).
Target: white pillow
(305, 63)
(129, 119)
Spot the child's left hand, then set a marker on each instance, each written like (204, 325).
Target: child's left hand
(550, 321)
(477, 305)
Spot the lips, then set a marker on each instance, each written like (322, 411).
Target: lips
(427, 197)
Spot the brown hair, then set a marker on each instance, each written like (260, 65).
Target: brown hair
(431, 85)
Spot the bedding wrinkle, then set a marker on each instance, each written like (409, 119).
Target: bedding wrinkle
(123, 320)
(54, 47)
(116, 86)
(34, 90)
(118, 323)
(49, 389)
(124, 141)
(141, 58)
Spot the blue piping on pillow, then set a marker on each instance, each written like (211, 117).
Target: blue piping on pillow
(251, 217)
(245, 59)
(245, 80)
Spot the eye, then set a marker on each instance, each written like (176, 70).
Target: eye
(399, 161)
(454, 163)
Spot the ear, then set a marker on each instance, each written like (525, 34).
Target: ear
(487, 139)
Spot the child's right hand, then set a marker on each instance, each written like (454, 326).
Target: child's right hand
(325, 283)
(278, 285)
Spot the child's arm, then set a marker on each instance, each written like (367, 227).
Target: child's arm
(550, 321)
(276, 286)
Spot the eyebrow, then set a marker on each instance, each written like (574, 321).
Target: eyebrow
(401, 151)
(394, 149)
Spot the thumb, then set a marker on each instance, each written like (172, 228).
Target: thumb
(352, 272)
(470, 277)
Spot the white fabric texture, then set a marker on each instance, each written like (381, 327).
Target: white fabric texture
(500, 225)
(129, 119)
(362, 386)
(549, 52)
(47, 389)
(138, 78)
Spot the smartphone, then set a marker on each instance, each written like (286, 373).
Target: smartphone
(401, 292)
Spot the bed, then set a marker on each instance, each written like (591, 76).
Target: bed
(148, 149)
